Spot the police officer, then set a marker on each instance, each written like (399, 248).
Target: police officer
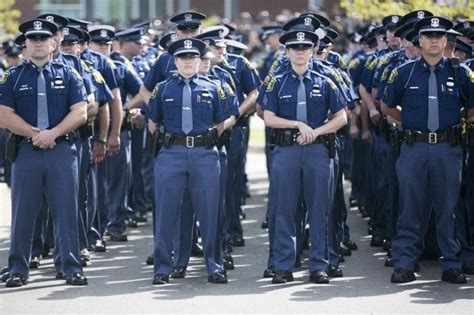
(188, 108)
(118, 172)
(296, 103)
(188, 25)
(130, 44)
(427, 90)
(47, 157)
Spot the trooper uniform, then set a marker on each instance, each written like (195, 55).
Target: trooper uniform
(306, 98)
(42, 97)
(430, 160)
(187, 109)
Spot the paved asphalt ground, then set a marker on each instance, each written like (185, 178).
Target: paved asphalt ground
(120, 281)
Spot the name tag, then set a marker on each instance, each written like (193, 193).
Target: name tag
(413, 87)
(285, 96)
(169, 99)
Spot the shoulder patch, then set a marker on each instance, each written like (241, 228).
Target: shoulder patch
(271, 84)
(221, 92)
(228, 89)
(332, 84)
(342, 64)
(4, 77)
(354, 63)
(337, 76)
(85, 66)
(470, 75)
(267, 79)
(373, 63)
(155, 91)
(384, 75)
(392, 76)
(98, 78)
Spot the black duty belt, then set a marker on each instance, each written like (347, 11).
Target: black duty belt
(69, 137)
(426, 137)
(188, 141)
(286, 137)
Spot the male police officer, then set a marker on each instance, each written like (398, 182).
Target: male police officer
(42, 102)
(296, 103)
(427, 90)
(187, 107)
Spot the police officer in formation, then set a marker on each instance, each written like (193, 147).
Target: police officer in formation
(42, 103)
(407, 99)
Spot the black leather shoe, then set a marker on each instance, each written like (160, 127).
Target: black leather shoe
(353, 202)
(149, 260)
(98, 247)
(238, 241)
(388, 262)
(83, 262)
(264, 224)
(298, 261)
(269, 272)
(161, 279)
(118, 237)
(76, 279)
(35, 262)
(60, 275)
(386, 245)
(376, 241)
(196, 250)
(334, 271)
(4, 274)
(320, 277)
(468, 267)
(141, 217)
(344, 250)
(282, 277)
(45, 252)
(16, 280)
(351, 245)
(217, 277)
(402, 275)
(341, 259)
(85, 254)
(228, 262)
(178, 272)
(453, 275)
(131, 223)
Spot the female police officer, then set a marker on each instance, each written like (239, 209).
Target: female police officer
(188, 107)
(296, 103)
(42, 102)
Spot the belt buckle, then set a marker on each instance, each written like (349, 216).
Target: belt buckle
(432, 138)
(189, 142)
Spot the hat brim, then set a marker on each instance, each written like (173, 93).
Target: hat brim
(180, 53)
(434, 31)
(36, 34)
(188, 26)
(299, 44)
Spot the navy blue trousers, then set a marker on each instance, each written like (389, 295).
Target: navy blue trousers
(53, 172)
(427, 170)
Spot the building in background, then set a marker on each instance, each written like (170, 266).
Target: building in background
(128, 10)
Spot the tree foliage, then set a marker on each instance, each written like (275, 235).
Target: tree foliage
(375, 10)
(8, 17)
